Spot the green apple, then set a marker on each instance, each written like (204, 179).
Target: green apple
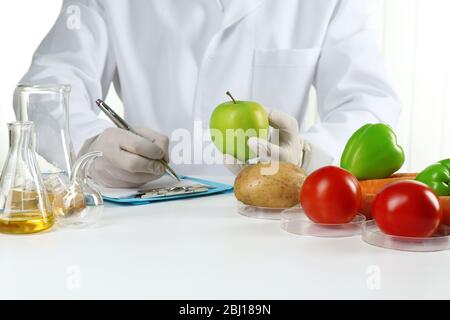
(232, 123)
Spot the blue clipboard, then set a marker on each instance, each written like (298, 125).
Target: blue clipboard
(216, 188)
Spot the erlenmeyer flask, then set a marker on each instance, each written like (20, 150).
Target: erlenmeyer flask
(47, 107)
(24, 204)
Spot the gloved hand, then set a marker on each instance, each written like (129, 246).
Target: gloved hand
(129, 160)
(284, 144)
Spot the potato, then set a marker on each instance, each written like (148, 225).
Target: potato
(278, 190)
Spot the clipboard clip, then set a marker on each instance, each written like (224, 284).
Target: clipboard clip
(171, 191)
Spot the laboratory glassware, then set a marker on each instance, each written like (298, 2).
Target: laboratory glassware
(47, 106)
(76, 203)
(24, 203)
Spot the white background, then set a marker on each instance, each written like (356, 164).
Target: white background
(414, 36)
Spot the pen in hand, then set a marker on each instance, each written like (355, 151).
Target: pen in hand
(122, 124)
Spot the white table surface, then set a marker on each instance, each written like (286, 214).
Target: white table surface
(203, 249)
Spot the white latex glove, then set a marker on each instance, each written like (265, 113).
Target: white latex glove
(129, 160)
(287, 146)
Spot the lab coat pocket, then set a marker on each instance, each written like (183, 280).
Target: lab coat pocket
(282, 77)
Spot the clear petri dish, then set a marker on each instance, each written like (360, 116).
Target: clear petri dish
(294, 220)
(373, 235)
(259, 212)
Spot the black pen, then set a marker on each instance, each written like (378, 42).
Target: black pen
(122, 124)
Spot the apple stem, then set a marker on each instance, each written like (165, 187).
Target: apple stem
(229, 94)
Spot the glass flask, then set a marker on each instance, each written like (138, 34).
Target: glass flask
(24, 203)
(47, 106)
(76, 203)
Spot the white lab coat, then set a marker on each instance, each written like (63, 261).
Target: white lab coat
(268, 51)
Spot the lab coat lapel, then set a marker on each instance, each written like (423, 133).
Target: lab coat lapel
(237, 10)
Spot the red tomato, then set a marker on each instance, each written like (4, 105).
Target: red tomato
(331, 195)
(407, 208)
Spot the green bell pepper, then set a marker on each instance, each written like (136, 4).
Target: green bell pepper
(446, 163)
(437, 177)
(372, 152)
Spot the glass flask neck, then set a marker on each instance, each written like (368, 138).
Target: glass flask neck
(80, 169)
(21, 136)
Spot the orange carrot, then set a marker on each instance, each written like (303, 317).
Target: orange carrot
(366, 204)
(370, 188)
(445, 204)
(375, 185)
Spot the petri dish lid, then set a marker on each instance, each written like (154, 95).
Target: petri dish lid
(259, 212)
(439, 241)
(295, 221)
